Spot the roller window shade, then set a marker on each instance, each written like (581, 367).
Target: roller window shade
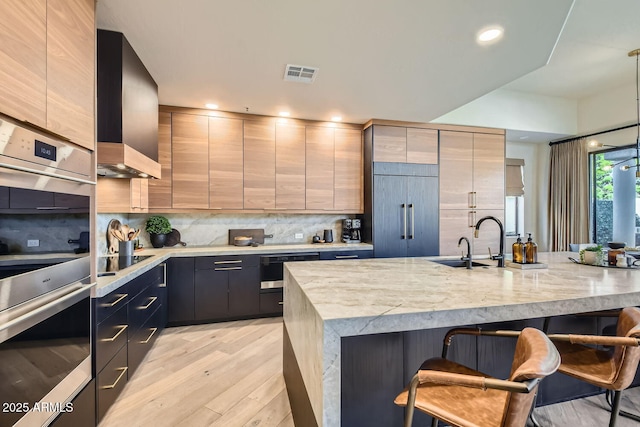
(514, 178)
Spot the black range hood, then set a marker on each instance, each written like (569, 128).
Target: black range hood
(127, 111)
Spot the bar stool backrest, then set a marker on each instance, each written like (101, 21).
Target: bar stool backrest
(625, 358)
(535, 357)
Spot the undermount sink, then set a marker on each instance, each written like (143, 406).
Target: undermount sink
(458, 263)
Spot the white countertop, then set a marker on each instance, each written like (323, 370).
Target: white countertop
(107, 284)
(327, 301)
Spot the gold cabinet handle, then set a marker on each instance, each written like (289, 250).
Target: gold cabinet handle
(346, 256)
(123, 296)
(144, 307)
(227, 268)
(110, 386)
(153, 331)
(281, 303)
(115, 337)
(237, 261)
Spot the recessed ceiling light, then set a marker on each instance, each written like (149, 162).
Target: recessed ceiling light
(212, 106)
(336, 119)
(284, 113)
(490, 34)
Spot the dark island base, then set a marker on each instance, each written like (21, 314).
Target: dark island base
(375, 368)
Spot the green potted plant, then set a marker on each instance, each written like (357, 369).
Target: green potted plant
(592, 256)
(158, 227)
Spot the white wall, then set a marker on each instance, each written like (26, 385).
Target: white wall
(607, 110)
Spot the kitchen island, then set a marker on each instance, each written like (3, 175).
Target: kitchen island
(356, 331)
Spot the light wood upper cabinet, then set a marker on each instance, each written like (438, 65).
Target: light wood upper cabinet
(70, 63)
(23, 60)
(320, 168)
(226, 160)
(422, 146)
(348, 170)
(390, 144)
(488, 171)
(190, 161)
(456, 170)
(259, 165)
(115, 195)
(290, 166)
(160, 189)
(397, 144)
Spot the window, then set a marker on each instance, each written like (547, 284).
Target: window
(514, 202)
(615, 197)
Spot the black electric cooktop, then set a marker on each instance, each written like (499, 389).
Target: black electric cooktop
(113, 264)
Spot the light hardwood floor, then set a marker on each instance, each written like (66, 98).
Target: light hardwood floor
(230, 374)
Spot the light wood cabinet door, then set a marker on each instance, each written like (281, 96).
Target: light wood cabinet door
(456, 170)
(389, 144)
(290, 166)
(190, 161)
(488, 171)
(226, 170)
(115, 195)
(320, 168)
(454, 224)
(348, 170)
(160, 189)
(23, 60)
(71, 70)
(259, 165)
(422, 146)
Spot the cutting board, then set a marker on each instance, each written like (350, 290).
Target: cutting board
(257, 234)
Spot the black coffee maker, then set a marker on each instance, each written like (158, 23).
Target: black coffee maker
(351, 230)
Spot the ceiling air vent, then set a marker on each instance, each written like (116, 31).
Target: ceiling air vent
(300, 73)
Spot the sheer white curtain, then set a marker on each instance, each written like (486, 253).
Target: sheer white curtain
(569, 194)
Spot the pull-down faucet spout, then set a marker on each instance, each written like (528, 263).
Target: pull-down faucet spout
(500, 256)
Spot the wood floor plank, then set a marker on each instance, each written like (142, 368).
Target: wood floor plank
(273, 413)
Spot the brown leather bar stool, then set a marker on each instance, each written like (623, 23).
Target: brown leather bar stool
(612, 371)
(461, 396)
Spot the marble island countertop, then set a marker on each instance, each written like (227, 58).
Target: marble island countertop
(107, 284)
(330, 301)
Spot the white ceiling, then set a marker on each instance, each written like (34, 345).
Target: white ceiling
(411, 60)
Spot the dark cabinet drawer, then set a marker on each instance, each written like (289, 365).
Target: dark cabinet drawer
(111, 335)
(331, 255)
(143, 340)
(140, 283)
(111, 381)
(180, 290)
(271, 302)
(142, 306)
(226, 262)
(111, 303)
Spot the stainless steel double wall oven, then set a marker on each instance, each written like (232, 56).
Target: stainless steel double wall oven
(45, 280)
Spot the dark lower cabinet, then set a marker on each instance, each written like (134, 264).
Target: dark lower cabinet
(123, 337)
(110, 382)
(271, 301)
(180, 290)
(227, 287)
(83, 413)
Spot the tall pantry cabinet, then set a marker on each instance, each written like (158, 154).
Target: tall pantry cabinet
(471, 187)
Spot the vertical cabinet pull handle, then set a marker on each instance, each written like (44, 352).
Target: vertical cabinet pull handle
(404, 222)
(413, 222)
(475, 199)
(471, 221)
(164, 275)
(110, 386)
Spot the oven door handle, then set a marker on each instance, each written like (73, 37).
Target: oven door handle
(22, 322)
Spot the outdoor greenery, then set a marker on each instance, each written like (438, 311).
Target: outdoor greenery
(604, 178)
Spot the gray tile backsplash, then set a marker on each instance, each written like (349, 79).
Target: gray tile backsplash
(213, 229)
(51, 230)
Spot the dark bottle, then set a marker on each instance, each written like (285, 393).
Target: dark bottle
(518, 251)
(531, 250)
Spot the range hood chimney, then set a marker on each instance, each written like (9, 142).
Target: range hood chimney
(127, 111)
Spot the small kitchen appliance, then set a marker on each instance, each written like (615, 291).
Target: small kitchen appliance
(351, 229)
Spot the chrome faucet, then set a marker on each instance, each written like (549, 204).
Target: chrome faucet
(500, 256)
(467, 258)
